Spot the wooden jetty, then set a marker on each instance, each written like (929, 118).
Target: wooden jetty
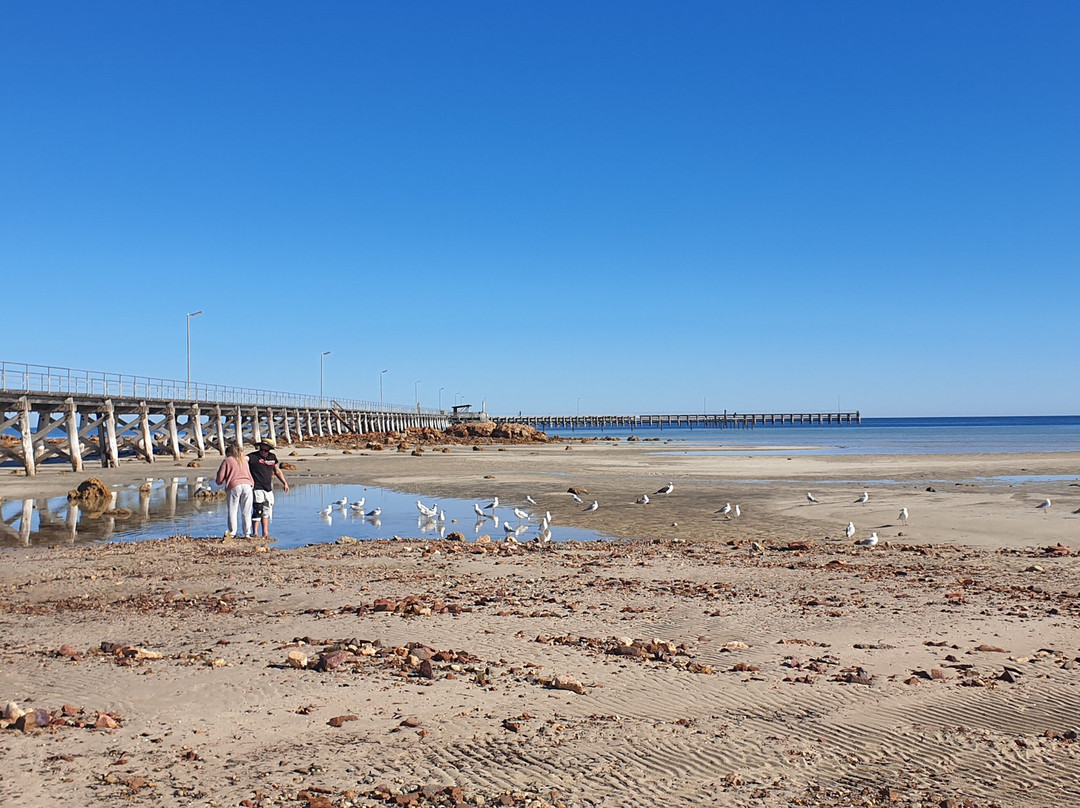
(724, 420)
(48, 412)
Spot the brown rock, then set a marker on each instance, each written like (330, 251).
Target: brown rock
(565, 682)
(338, 720)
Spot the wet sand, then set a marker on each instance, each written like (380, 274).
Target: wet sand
(764, 660)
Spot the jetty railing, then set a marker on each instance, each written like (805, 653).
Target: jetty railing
(19, 377)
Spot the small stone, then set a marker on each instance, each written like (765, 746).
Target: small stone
(338, 720)
(12, 711)
(297, 659)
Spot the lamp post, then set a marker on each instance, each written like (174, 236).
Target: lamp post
(443, 388)
(381, 372)
(416, 393)
(322, 376)
(190, 315)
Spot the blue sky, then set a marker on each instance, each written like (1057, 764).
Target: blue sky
(605, 207)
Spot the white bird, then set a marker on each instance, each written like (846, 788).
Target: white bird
(359, 504)
(547, 515)
(327, 510)
(530, 500)
(520, 514)
(903, 515)
(865, 496)
(508, 528)
(593, 507)
(544, 536)
(725, 510)
(374, 514)
(544, 524)
(577, 499)
(810, 497)
(870, 542)
(479, 511)
(341, 503)
(493, 504)
(667, 489)
(738, 513)
(849, 531)
(425, 510)
(442, 516)
(1044, 506)
(644, 500)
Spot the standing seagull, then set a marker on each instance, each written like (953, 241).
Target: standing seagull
(849, 531)
(725, 510)
(870, 542)
(479, 511)
(491, 506)
(862, 500)
(738, 513)
(903, 515)
(593, 507)
(667, 489)
(810, 497)
(577, 499)
(1044, 506)
(530, 500)
(520, 514)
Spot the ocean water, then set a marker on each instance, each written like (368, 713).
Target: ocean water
(875, 436)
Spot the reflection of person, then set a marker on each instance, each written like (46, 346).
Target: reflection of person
(264, 468)
(234, 473)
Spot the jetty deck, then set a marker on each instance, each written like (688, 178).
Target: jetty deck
(724, 420)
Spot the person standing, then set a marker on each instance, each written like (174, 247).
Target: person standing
(265, 467)
(235, 474)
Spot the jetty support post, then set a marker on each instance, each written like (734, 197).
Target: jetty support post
(27, 438)
(74, 443)
(147, 433)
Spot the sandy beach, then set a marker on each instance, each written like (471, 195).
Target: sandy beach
(699, 660)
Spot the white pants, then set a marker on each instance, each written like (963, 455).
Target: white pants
(238, 499)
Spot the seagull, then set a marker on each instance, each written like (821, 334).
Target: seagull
(861, 500)
(725, 510)
(374, 514)
(593, 507)
(327, 510)
(493, 504)
(442, 516)
(341, 503)
(643, 501)
(425, 510)
(544, 524)
(479, 511)
(870, 542)
(508, 528)
(544, 536)
(530, 500)
(849, 531)
(1044, 506)
(738, 513)
(667, 489)
(577, 499)
(547, 515)
(810, 497)
(359, 504)
(903, 515)
(520, 514)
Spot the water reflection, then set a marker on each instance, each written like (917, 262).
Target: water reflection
(169, 506)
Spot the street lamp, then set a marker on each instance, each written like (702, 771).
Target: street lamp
(443, 388)
(190, 315)
(381, 372)
(416, 393)
(322, 376)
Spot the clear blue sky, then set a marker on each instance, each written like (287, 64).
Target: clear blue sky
(638, 206)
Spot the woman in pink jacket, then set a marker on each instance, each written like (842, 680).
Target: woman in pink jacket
(236, 477)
